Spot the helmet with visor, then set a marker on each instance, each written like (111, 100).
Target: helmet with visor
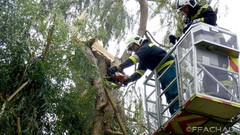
(135, 39)
(182, 3)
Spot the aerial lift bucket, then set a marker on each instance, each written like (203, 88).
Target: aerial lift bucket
(208, 104)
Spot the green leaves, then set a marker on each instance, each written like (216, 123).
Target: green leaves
(36, 45)
(48, 103)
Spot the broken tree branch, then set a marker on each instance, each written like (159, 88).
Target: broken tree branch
(115, 111)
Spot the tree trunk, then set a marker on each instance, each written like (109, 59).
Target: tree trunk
(142, 26)
(104, 113)
(143, 17)
(101, 100)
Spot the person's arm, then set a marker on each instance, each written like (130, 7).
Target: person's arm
(136, 75)
(134, 59)
(205, 14)
(127, 63)
(208, 15)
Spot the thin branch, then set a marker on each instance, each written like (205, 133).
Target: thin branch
(17, 120)
(137, 122)
(18, 126)
(115, 111)
(19, 89)
(49, 37)
(133, 83)
(103, 106)
(24, 73)
(82, 95)
(10, 98)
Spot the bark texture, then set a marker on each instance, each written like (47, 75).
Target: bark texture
(104, 113)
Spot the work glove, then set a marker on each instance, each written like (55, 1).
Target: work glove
(112, 70)
(186, 27)
(173, 38)
(126, 81)
(195, 21)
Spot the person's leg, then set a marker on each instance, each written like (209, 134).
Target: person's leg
(221, 76)
(209, 85)
(172, 92)
(222, 92)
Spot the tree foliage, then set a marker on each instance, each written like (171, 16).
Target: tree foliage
(46, 76)
(39, 49)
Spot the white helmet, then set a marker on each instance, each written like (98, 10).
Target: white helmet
(133, 39)
(182, 3)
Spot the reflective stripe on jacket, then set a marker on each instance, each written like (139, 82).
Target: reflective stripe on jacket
(148, 56)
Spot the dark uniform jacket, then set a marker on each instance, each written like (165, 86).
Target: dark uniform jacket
(203, 12)
(148, 56)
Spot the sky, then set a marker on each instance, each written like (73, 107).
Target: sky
(230, 21)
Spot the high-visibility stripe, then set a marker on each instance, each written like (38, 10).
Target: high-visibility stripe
(184, 120)
(141, 72)
(220, 101)
(194, 121)
(189, 101)
(233, 62)
(199, 11)
(165, 65)
(150, 45)
(134, 60)
(235, 105)
(217, 100)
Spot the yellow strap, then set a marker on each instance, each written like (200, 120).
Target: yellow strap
(165, 65)
(199, 11)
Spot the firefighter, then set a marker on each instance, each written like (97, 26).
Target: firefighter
(149, 56)
(195, 13)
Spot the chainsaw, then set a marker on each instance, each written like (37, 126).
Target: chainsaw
(117, 78)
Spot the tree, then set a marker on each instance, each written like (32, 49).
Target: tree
(47, 77)
(52, 82)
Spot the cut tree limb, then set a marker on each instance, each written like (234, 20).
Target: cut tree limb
(98, 47)
(116, 112)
